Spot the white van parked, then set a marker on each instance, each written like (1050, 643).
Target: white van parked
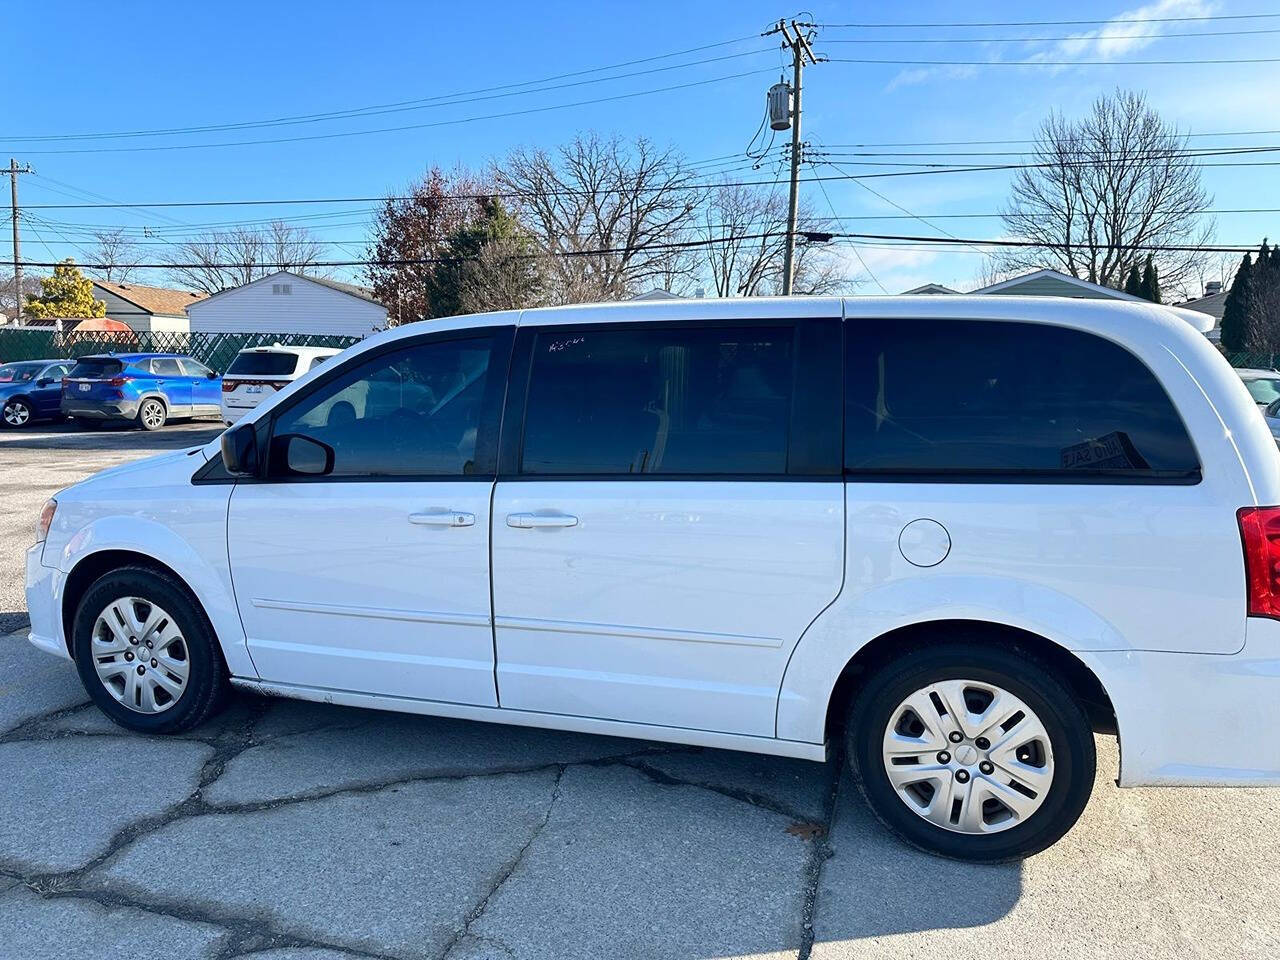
(258, 372)
(957, 535)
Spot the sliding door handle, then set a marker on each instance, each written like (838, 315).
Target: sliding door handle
(529, 521)
(443, 518)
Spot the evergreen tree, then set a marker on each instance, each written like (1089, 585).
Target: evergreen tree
(1133, 283)
(488, 264)
(1235, 331)
(68, 293)
(1149, 288)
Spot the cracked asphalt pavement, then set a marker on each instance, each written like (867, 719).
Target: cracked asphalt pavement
(292, 831)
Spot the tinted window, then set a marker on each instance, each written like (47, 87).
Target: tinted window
(950, 396)
(663, 400)
(265, 364)
(56, 370)
(417, 411)
(166, 367)
(19, 372)
(93, 368)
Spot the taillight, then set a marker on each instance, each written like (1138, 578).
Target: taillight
(229, 385)
(1260, 534)
(119, 381)
(278, 384)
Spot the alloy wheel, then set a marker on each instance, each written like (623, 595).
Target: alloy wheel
(152, 415)
(140, 655)
(968, 756)
(16, 413)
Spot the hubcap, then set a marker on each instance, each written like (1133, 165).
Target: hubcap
(998, 767)
(152, 414)
(150, 686)
(16, 414)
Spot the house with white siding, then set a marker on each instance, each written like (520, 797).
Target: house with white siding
(143, 308)
(287, 302)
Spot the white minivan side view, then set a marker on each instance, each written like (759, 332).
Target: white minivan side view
(948, 539)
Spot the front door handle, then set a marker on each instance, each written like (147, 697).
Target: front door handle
(529, 521)
(443, 518)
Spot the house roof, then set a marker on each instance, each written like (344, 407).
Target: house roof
(161, 300)
(657, 294)
(1213, 305)
(928, 288)
(350, 289)
(1087, 289)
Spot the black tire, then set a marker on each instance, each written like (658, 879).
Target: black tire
(1027, 678)
(206, 687)
(16, 413)
(152, 414)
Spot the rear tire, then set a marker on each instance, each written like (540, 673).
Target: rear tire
(16, 413)
(151, 414)
(146, 653)
(963, 784)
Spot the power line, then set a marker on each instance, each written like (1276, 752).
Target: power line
(1052, 23)
(978, 143)
(1182, 62)
(1077, 38)
(412, 126)
(446, 100)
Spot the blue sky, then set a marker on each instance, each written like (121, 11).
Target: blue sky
(144, 66)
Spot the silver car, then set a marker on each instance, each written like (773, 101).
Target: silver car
(1264, 387)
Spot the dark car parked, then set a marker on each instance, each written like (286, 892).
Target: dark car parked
(31, 390)
(147, 388)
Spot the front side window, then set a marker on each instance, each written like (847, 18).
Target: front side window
(193, 368)
(418, 411)
(55, 371)
(659, 400)
(948, 397)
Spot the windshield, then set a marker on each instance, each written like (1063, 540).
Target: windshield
(95, 368)
(19, 372)
(268, 363)
(1264, 390)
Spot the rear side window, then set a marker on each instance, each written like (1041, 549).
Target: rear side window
(92, 368)
(19, 372)
(659, 400)
(263, 364)
(955, 397)
(166, 367)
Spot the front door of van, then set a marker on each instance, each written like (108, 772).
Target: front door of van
(374, 577)
(669, 519)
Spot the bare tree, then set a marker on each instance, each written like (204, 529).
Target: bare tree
(624, 201)
(30, 286)
(224, 259)
(745, 233)
(116, 255)
(1102, 191)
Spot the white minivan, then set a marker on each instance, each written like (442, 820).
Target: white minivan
(258, 372)
(947, 538)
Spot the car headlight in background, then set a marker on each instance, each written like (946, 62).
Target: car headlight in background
(46, 520)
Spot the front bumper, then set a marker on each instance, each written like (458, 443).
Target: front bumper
(44, 604)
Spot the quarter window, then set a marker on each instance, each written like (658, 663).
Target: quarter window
(659, 400)
(418, 411)
(948, 397)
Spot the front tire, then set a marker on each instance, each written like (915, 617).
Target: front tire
(146, 653)
(972, 751)
(151, 414)
(16, 413)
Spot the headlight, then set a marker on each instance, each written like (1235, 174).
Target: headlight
(46, 520)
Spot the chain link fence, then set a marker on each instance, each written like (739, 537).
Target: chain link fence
(1256, 360)
(214, 350)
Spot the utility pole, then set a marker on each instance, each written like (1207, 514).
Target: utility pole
(14, 170)
(796, 37)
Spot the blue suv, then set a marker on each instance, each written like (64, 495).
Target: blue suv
(147, 388)
(31, 390)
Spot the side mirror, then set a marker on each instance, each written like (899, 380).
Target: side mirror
(211, 375)
(301, 455)
(44, 381)
(240, 450)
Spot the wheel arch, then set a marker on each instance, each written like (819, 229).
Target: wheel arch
(1079, 679)
(94, 565)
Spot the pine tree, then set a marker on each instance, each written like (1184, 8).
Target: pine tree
(1133, 283)
(68, 293)
(1235, 332)
(1149, 289)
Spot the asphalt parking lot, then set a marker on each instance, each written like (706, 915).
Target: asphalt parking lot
(291, 830)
